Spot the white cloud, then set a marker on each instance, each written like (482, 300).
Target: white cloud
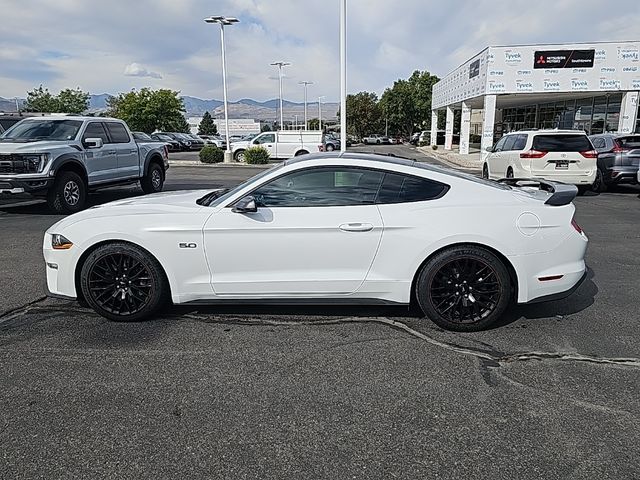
(137, 70)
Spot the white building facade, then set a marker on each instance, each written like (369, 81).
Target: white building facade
(237, 126)
(593, 87)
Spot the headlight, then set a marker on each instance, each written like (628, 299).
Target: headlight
(60, 242)
(35, 163)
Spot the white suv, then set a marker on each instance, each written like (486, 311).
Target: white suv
(563, 155)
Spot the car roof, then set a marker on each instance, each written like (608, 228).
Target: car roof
(548, 131)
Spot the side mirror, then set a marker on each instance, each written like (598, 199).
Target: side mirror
(245, 205)
(92, 143)
(489, 149)
(256, 142)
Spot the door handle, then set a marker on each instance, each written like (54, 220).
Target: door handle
(356, 227)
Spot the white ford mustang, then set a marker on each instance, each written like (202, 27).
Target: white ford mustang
(327, 228)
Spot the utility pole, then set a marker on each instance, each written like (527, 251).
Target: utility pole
(320, 111)
(280, 65)
(343, 75)
(305, 83)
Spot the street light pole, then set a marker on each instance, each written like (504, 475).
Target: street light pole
(343, 75)
(305, 83)
(280, 65)
(320, 111)
(228, 157)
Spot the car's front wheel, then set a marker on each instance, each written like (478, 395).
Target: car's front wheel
(239, 156)
(485, 171)
(465, 288)
(123, 282)
(68, 194)
(598, 185)
(153, 181)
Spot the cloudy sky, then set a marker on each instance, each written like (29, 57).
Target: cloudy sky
(116, 45)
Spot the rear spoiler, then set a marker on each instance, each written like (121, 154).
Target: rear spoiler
(561, 193)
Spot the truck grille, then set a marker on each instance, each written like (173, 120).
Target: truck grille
(17, 164)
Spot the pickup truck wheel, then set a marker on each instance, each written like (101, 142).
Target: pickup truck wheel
(68, 194)
(153, 181)
(239, 156)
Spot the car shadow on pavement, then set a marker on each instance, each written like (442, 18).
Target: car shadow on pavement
(578, 301)
(38, 206)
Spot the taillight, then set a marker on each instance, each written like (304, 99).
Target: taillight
(575, 225)
(619, 149)
(533, 154)
(589, 154)
(321, 148)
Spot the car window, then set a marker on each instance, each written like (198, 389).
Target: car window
(500, 144)
(269, 138)
(118, 133)
(629, 142)
(43, 129)
(599, 143)
(398, 188)
(95, 130)
(321, 187)
(520, 143)
(561, 143)
(508, 143)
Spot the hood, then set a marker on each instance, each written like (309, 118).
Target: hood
(239, 144)
(32, 147)
(182, 201)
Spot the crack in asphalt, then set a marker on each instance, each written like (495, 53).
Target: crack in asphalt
(489, 357)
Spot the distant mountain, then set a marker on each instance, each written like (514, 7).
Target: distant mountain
(244, 108)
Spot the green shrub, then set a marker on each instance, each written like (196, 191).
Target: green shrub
(423, 144)
(435, 147)
(211, 154)
(256, 156)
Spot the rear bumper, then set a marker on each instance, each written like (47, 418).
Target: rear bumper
(17, 184)
(622, 174)
(560, 295)
(578, 178)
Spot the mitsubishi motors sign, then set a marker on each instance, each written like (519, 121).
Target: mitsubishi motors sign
(564, 59)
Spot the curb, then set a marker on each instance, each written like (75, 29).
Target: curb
(193, 163)
(451, 161)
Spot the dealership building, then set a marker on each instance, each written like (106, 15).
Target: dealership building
(592, 87)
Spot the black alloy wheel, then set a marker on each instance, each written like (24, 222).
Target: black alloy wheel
(123, 282)
(485, 171)
(464, 288)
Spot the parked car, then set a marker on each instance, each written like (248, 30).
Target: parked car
(415, 138)
(197, 143)
(331, 142)
(213, 140)
(62, 158)
(375, 139)
(8, 120)
(463, 266)
(282, 144)
(563, 155)
(618, 159)
(182, 139)
(143, 137)
(172, 144)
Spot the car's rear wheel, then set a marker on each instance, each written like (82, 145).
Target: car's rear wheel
(598, 185)
(465, 288)
(329, 147)
(68, 194)
(153, 181)
(123, 282)
(485, 171)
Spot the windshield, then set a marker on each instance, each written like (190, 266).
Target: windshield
(43, 129)
(165, 138)
(219, 200)
(251, 136)
(142, 136)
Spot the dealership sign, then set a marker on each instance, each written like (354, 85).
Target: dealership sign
(563, 59)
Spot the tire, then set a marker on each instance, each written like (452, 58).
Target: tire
(377, 142)
(153, 181)
(582, 189)
(68, 194)
(330, 147)
(598, 185)
(109, 287)
(301, 152)
(485, 171)
(365, 142)
(239, 156)
(509, 172)
(453, 306)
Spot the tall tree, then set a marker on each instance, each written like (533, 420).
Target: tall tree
(67, 101)
(207, 125)
(149, 110)
(314, 124)
(407, 105)
(363, 113)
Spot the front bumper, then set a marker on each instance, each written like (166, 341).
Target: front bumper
(24, 184)
(60, 270)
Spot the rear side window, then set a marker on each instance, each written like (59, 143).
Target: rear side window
(95, 130)
(629, 142)
(599, 143)
(561, 143)
(519, 144)
(397, 188)
(118, 133)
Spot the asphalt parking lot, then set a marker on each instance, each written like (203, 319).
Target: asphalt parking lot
(322, 392)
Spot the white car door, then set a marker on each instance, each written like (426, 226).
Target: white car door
(495, 160)
(268, 142)
(315, 232)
